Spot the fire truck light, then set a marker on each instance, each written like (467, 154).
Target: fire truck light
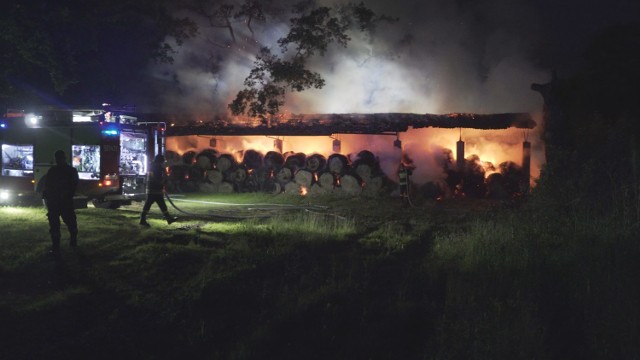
(107, 183)
(32, 120)
(3, 125)
(110, 132)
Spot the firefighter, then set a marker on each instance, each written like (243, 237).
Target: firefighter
(59, 188)
(155, 191)
(403, 175)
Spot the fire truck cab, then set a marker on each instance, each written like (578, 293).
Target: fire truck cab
(108, 146)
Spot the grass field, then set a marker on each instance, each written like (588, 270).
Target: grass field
(259, 276)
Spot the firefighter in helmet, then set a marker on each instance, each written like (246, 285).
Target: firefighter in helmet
(60, 186)
(155, 191)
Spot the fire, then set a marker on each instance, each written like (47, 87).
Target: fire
(426, 147)
(303, 190)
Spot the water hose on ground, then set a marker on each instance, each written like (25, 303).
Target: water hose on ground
(252, 207)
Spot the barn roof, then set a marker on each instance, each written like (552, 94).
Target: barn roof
(328, 124)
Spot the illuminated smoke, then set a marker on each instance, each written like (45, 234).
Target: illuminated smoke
(441, 56)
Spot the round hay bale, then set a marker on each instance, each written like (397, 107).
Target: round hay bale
(252, 159)
(189, 157)
(337, 163)
(284, 175)
(327, 180)
(225, 162)
(315, 162)
(204, 162)
(271, 186)
(303, 177)
(364, 171)
(172, 158)
(215, 176)
(292, 188)
(195, 174)
(207, 187)
(206, 159)
(350, 185)
(295, 161)
(373, 186)
(366, 157)
(316, 189)
(238, 175)
(273, 160)
(225, 188)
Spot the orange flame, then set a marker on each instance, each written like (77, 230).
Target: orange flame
(424, 146)
(303, 190)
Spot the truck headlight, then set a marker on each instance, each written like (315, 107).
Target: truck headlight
(4, 195)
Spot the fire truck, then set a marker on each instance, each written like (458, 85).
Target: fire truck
(108, 146)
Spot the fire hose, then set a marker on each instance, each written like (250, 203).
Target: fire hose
(409, 194)
(308, 208)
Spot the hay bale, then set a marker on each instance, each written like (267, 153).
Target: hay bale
(304, 178)
(225, 188)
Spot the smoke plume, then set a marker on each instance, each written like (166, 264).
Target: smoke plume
(440, 56)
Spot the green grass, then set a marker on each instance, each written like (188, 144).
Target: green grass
(322, 278)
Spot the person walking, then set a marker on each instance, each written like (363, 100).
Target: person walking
(155, 191)
(60, 186)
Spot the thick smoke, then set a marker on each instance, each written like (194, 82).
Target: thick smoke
(440, 56)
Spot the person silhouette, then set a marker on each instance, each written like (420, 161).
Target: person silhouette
(60, 186)
(155, 191)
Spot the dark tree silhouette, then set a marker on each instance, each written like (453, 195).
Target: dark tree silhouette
(69, 47)
(311, 32)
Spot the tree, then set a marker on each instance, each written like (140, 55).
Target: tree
(65, 48)
(311, 32)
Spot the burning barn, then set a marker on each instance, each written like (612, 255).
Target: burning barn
(355, 153)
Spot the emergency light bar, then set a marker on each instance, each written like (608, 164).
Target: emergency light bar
(110, 132)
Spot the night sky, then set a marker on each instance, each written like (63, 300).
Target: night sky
(441, 56)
